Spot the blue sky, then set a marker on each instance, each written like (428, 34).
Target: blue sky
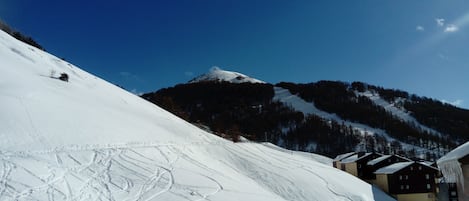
(417, 46)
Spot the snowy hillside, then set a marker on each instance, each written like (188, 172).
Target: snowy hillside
(217, 74)
(308, 108)
(87, 139)
(399, 112)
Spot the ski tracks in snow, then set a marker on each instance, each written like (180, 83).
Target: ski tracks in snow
(111, 173)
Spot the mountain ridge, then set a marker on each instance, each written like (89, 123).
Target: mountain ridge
(344, 103)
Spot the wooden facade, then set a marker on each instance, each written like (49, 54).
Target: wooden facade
(337, 160)
(357, 165)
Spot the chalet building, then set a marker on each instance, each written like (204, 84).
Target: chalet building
(339, 158)
(381, 162)
(455, 169)
(408, 181)
(356, 164)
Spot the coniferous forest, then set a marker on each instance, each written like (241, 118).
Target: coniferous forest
(231, 110)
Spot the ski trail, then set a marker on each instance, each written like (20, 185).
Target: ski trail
(219, 188)
(5, 172)
(328, 185)
(166, 188)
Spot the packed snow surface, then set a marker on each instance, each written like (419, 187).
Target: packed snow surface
(87, 139)
(217, 74)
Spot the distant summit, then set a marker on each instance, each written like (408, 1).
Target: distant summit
(218, 75)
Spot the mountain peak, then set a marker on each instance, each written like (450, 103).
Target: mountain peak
(217, 74)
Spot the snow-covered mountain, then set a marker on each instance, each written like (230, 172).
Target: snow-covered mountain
(87, 139)
(218, 75)
(308, 108)
(359, 115)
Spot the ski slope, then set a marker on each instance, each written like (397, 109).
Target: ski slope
(396, 111)
(308, 108)
(87, 139)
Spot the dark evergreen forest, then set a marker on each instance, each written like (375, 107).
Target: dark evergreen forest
(248, 109)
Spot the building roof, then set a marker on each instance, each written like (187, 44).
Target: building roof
(355, 158)
(456, 154)
(379, 159)
(393, 168)
(342, 156)
(384, 157)
(450, 166)
(390, 169)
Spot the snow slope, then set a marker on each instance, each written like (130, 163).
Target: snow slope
(87, 139)
(308, 108)
(396, 111)
(217, 74)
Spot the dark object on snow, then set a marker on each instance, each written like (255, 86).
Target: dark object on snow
(64, 77)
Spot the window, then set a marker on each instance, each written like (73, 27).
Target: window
(406, 177)
(427, 176)
(402, 187)
(429, 186)
(420, 167)
(407, 187)
(411, 168)
(453, 193)
(359, 165)
(400, 177)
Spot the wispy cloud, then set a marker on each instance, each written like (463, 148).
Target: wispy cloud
(443, 56)
(451, 28)
(440, 22)
(457, 102)
(420, 28)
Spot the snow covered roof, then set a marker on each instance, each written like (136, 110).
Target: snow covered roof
(217, 74)
(377, 160)
(450, 166)
(342, 156)
(456, 154)
(390, 169)
(355, 158)
(393, 168)
(382, 158)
